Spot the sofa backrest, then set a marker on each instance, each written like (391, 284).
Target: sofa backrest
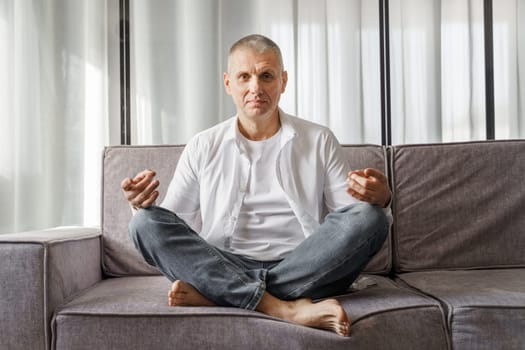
(459, 205)
(121, 258)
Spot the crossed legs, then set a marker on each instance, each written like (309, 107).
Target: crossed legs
(325, 264)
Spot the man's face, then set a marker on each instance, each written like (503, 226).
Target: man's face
(255, 82)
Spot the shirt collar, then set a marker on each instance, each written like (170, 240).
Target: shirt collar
(288, 129)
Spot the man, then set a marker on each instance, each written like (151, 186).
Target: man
(260, 181)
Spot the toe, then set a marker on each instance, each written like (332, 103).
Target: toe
(344, 329)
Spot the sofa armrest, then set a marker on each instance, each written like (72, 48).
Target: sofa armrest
(39, 270)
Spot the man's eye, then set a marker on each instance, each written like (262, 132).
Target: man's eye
(267, 76)
(244, 77)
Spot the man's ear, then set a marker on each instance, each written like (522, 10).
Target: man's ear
(285, 81)
(226, 81)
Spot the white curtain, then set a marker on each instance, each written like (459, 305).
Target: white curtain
(438, 75)
(331, 51)
(53, 112)
(509, 68)
(438, 70)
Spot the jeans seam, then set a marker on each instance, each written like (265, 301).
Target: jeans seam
(255, 299)
(220, 260)
(259, 291)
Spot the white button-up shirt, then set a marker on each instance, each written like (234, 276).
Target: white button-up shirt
(212, 175)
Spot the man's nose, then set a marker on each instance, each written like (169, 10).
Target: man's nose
(255, 85)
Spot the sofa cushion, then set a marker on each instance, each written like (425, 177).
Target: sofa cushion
(132, 313)
(120, 256)
(459, 206)
(486, 308)
(370, 156)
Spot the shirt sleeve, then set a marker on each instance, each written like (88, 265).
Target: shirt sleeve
(336, 172)
(183, 192)
(337, 169)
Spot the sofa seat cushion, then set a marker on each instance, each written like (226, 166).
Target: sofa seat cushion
(132, 313)
(486, 308)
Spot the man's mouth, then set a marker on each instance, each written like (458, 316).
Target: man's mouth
(256, 102)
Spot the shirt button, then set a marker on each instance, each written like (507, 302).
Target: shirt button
(243, 189)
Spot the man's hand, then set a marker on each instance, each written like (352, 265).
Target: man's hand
(369, 185)
(140, 191)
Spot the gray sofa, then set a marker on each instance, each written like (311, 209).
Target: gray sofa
(451, 275)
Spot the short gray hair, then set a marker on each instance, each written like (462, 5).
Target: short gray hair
(258, 43)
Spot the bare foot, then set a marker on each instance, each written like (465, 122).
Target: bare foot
(326, 314)
(184, 294)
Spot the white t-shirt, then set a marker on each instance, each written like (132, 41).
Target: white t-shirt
(267, 228)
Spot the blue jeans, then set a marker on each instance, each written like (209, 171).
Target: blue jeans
(324, 264)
